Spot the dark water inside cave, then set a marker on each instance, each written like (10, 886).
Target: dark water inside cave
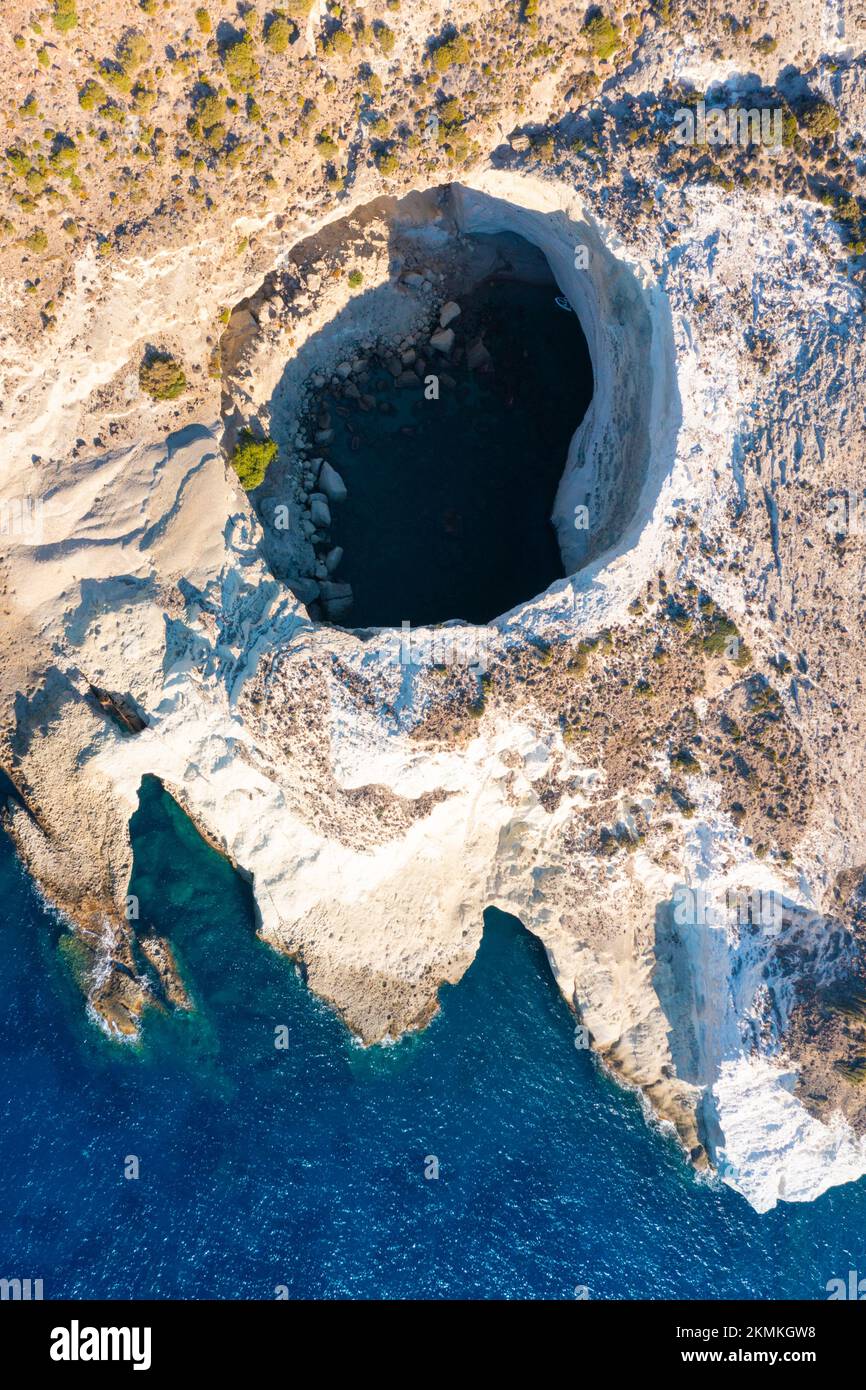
(448, 513)
(304, 1169)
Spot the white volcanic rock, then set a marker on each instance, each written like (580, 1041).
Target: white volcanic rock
(374, 831)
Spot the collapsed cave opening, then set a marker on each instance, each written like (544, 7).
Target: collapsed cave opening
(462, 419)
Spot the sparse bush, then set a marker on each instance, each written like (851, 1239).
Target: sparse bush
(325, 146)
(65, 15)
(210, 108)
(239, 60)
(132, 51)
(279, 33)
(356, 279)
(114, 75)
(387, 163)
(818, 119)
(385, 38)
(91, 95)
(202, 19)
(451, 53)
(339, 43)
(37, 241)
(161, 376)
(603, 36)
(252, 458)
(143, 99)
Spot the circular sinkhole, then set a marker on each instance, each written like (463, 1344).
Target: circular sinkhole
(464, 415)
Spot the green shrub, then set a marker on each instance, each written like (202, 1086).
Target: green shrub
(239, 60)
(451, 53)
(37, 241)
(385, 38)
(18, 161)
(161, 376)
(210, 108)
(65, 15)
(143, 99)
(114, 75)
(325, 146)
(280, 32)
(356, 279)
(818, 119)
(91, 95)
(339, 43)
(387, 163)
(132, 51)
(252, 458)
(604, 37)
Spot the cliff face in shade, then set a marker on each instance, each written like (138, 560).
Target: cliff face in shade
(684, 713)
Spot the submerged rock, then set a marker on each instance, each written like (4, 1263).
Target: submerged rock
(443, 340)
(331, 484)
(448, 313)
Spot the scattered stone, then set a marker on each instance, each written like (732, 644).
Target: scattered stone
(343, 370)
(337, 609)
(320, 512)
(307, 590)
(333, 558)
(331, 484)
(443, 340)
(448, 313)
(332, 589)
(477, 355)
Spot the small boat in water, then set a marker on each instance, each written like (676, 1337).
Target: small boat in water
(562, 303)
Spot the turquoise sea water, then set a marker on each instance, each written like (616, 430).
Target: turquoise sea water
(305, 1167)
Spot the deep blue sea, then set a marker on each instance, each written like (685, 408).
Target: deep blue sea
(304, 1168)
